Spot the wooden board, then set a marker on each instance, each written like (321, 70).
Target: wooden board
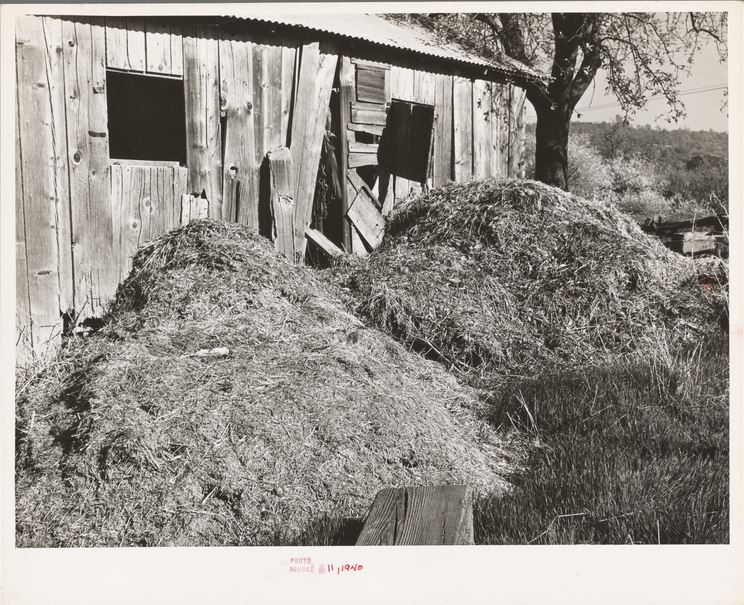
(84, 52)
(289, 59)
(481, 129)
(462, 111)
(432, 515)
(355, 147)
(313, 96)
(362, 159)
(146, 202)
(367, 128)
(366, 218)
(495, 120)
(193, 208)
(37, 188)
(326, 245)
(370, 83)
(346, 93)
(240, 166)
(203, 137)
(368, 116)
(24, 337)
(443, 161)
(125, 43)
(163, 47)
(282, 202)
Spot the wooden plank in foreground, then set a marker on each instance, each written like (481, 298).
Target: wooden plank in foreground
(282, 201)
(428, 515)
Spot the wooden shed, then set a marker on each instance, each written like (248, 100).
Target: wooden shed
(130, 126)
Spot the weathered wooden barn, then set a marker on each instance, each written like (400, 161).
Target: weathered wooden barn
(129, 126)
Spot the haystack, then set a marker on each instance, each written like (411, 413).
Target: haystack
(230, 399)
(510, 276)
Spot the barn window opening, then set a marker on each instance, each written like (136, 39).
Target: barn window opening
(146, 117)
(407, 141)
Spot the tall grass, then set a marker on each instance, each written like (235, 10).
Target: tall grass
(631, 452)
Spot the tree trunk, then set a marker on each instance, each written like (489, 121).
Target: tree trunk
(551, 147)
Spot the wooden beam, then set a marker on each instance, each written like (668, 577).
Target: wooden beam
(432, 515)
(355, 147)
(326, 245)
(368, 116)
(282, 202)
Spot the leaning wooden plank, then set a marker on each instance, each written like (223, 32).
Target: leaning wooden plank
(368, 128)
(289, 57)
(431, 515)
(240, 169)
(368, 116)
(88, 155)
(358, 247)
(282, 201)
(356, 181)
(367, 219)
(362, 159)
(324, 243)
(125, 43)
(203, 137)
(313, 98)
(462, 99)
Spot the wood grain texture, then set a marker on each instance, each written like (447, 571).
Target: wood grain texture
(163, 47)
(240, 166)
(432, 515)
(368, 128)
(282, 202)
(193, 208)
(125, 43)
(289, 60)
(357, 160)
(203, 134)
(313, 96)
(462, 111)
(24, 336)
(84, 53)
(366, 218)
(443, 161)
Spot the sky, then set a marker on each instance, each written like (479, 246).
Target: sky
(701, 94)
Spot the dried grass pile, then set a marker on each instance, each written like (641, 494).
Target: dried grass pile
(512, 276)
(230, 399)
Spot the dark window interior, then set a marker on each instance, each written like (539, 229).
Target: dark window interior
(146, 117)
(406, 144)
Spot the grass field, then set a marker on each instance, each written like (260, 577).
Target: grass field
(632, 452)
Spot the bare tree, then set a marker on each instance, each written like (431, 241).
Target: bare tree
(644, 54)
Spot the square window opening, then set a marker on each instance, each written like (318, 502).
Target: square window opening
(146, 117)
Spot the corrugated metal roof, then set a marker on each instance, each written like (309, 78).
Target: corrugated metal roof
(403, 36)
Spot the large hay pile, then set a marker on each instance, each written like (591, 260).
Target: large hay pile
(507, 276)
(231, 400)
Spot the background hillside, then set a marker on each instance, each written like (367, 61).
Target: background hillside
(647, 171)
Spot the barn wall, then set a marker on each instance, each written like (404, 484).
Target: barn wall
(81, 214)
